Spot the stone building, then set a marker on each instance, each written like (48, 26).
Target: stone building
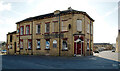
(61, 33)
(11, 43)
(103, 46)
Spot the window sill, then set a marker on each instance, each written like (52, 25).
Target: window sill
(27, 34)
(63, 31)
(29, 49)
(47, 33)
(54, 32)
(38, 48)
(64, 49)
(47, 49)
(38, 33)
(21, 48)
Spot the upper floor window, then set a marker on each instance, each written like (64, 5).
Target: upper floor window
(47, 44)
(47, 27)
(10, 38)
(38, 44)
(38, 28)
(17, 30)
(27, 29)
(54, 26)
(88, 29)
(79, 25)
(21, 30)
(64, 26)
(91, 28)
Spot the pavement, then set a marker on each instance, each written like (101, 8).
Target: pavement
(53, 62)
(109, 55)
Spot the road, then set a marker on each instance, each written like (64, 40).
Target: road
(109, 55)
(51, 62)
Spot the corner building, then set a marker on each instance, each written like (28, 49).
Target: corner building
(61, 33)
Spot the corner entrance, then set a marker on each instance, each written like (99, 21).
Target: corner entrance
(78, 45)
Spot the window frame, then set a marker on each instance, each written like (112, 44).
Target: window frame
(79, 29)
(29, 40)
(21, 40)
(27, 29)
(22, 31)
(46, 44)
(37, 29)
(11, 37)
(63, 26)
(65, 48)
(88, 27)
(37, 44)
(54, 45)
(91, 28)
(47, 27)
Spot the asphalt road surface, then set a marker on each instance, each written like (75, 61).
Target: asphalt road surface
(109, 55)
(51, 62)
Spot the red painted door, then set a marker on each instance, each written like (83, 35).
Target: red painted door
(78, 51)
(79, 48)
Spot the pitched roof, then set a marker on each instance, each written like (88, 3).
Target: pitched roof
(52, 15)
(14, 32)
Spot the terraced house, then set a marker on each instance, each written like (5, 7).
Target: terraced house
(61, 33)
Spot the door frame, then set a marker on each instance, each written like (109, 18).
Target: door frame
(75, 44)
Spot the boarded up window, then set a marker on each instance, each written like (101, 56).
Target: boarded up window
(55, 27)
(64, 26)
(79, 25)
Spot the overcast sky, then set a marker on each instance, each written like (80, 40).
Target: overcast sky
(104, 12)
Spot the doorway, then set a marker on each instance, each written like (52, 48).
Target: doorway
(78, 45)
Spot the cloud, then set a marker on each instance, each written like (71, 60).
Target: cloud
(5, 6)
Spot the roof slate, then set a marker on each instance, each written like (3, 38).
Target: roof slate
(52, 14)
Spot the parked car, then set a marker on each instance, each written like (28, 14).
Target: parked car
(3, 51)
(113, 50)
(96, 51)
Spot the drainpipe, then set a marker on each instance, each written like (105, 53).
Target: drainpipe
(59, 35)
(19, 38)
(90, 38)
(32, 39)
(84, 36)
